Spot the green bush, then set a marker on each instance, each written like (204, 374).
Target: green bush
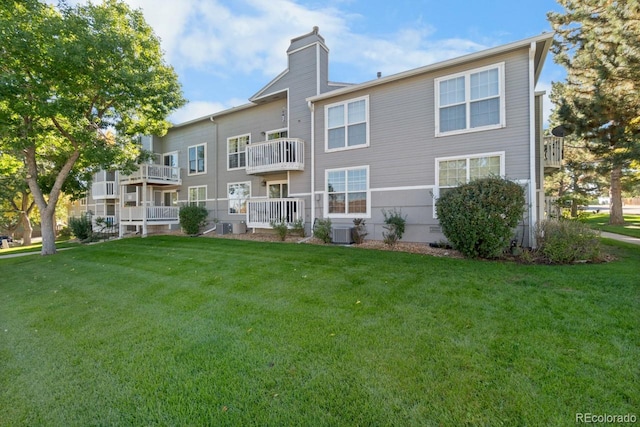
(192, 217)
(478, 218)
(322, 230)
(395, 224)
(298, 227)
(566, 241)
(81, 227)
(281, 228)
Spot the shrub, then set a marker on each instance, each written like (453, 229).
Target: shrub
(322, 230)
(478, 218)
(566, 241)
(359, 230)
(298, 227)
(394, 224)
(81, 227)
(281, 228)
(192, 217)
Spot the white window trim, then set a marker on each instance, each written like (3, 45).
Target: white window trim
(177, 156)
(238, 152)
(467, 85)
(366, 215)
(326, 124)
(189, 201)
(436, 188)
(189, 173)
(248, 183)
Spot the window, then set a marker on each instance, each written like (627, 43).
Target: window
(455, 171)
(238, 194)
(237, 151)
(347, 192)
(197, 159)
(468, 101)
(275, 134)
(347, 124)
(198, 196)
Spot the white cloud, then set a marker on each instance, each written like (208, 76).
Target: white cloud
(194, 110)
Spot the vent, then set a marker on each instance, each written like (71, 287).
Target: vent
(224, 228)
(342, 236)
(435, 229)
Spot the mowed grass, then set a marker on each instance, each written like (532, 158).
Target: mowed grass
(601, 222)
(195, 331)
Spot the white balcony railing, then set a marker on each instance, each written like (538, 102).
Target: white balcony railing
(260, 213)
(149, 213)
(277, 155)
(154, 173)
(553, 147)
(551, 208)
(104, 190)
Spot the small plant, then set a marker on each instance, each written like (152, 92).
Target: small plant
(81, 227)
(281, 228)
(567, 241)
(192, 217)
(298, 227)
(394, 224)
(322, 230)
(359, 230)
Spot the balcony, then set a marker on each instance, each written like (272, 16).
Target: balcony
(153, 174)
(553, 147)
(260, 213)
(104, 190)
(278, 155)
(151, 214)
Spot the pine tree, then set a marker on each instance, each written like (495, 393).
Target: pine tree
(598, 41)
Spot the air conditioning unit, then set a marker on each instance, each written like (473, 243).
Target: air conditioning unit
(224, 228)
(342, 235)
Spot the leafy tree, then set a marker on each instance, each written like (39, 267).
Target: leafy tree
(77, 85)
(598, 41)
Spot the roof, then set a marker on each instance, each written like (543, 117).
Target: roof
(543, 42)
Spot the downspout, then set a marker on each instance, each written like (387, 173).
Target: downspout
(533, 195)
(313, 164)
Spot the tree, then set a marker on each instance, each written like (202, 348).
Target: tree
(598, 41)
(77, 86)
(16, 203)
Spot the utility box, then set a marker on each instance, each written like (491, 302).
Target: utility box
(224, 228)
(239, 227)
(5, 244)
(342, 235)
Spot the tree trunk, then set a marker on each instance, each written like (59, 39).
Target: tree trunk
(47, 223)
(27, 229)
(615, 204)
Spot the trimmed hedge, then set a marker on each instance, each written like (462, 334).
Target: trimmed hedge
(192, 218)
(478, 218)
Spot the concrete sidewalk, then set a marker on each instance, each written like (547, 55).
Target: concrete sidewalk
(620, 238)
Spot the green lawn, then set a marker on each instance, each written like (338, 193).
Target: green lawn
(601, 222)
(36, 247)
(197, 331)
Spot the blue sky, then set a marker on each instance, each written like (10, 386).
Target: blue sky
(224, 51)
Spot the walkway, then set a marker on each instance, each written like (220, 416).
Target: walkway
(620, 238)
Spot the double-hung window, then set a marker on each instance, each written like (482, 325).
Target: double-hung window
(347, 124)
(469, 101)
(347, 192)
(198, 196)
(237, 151)
(452, 172)
(238, 195)
(197, 159)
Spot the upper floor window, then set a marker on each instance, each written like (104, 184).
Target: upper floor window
(347, 192)
(237, 151)
(469, 101)
(197, 159)
(347, 124)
